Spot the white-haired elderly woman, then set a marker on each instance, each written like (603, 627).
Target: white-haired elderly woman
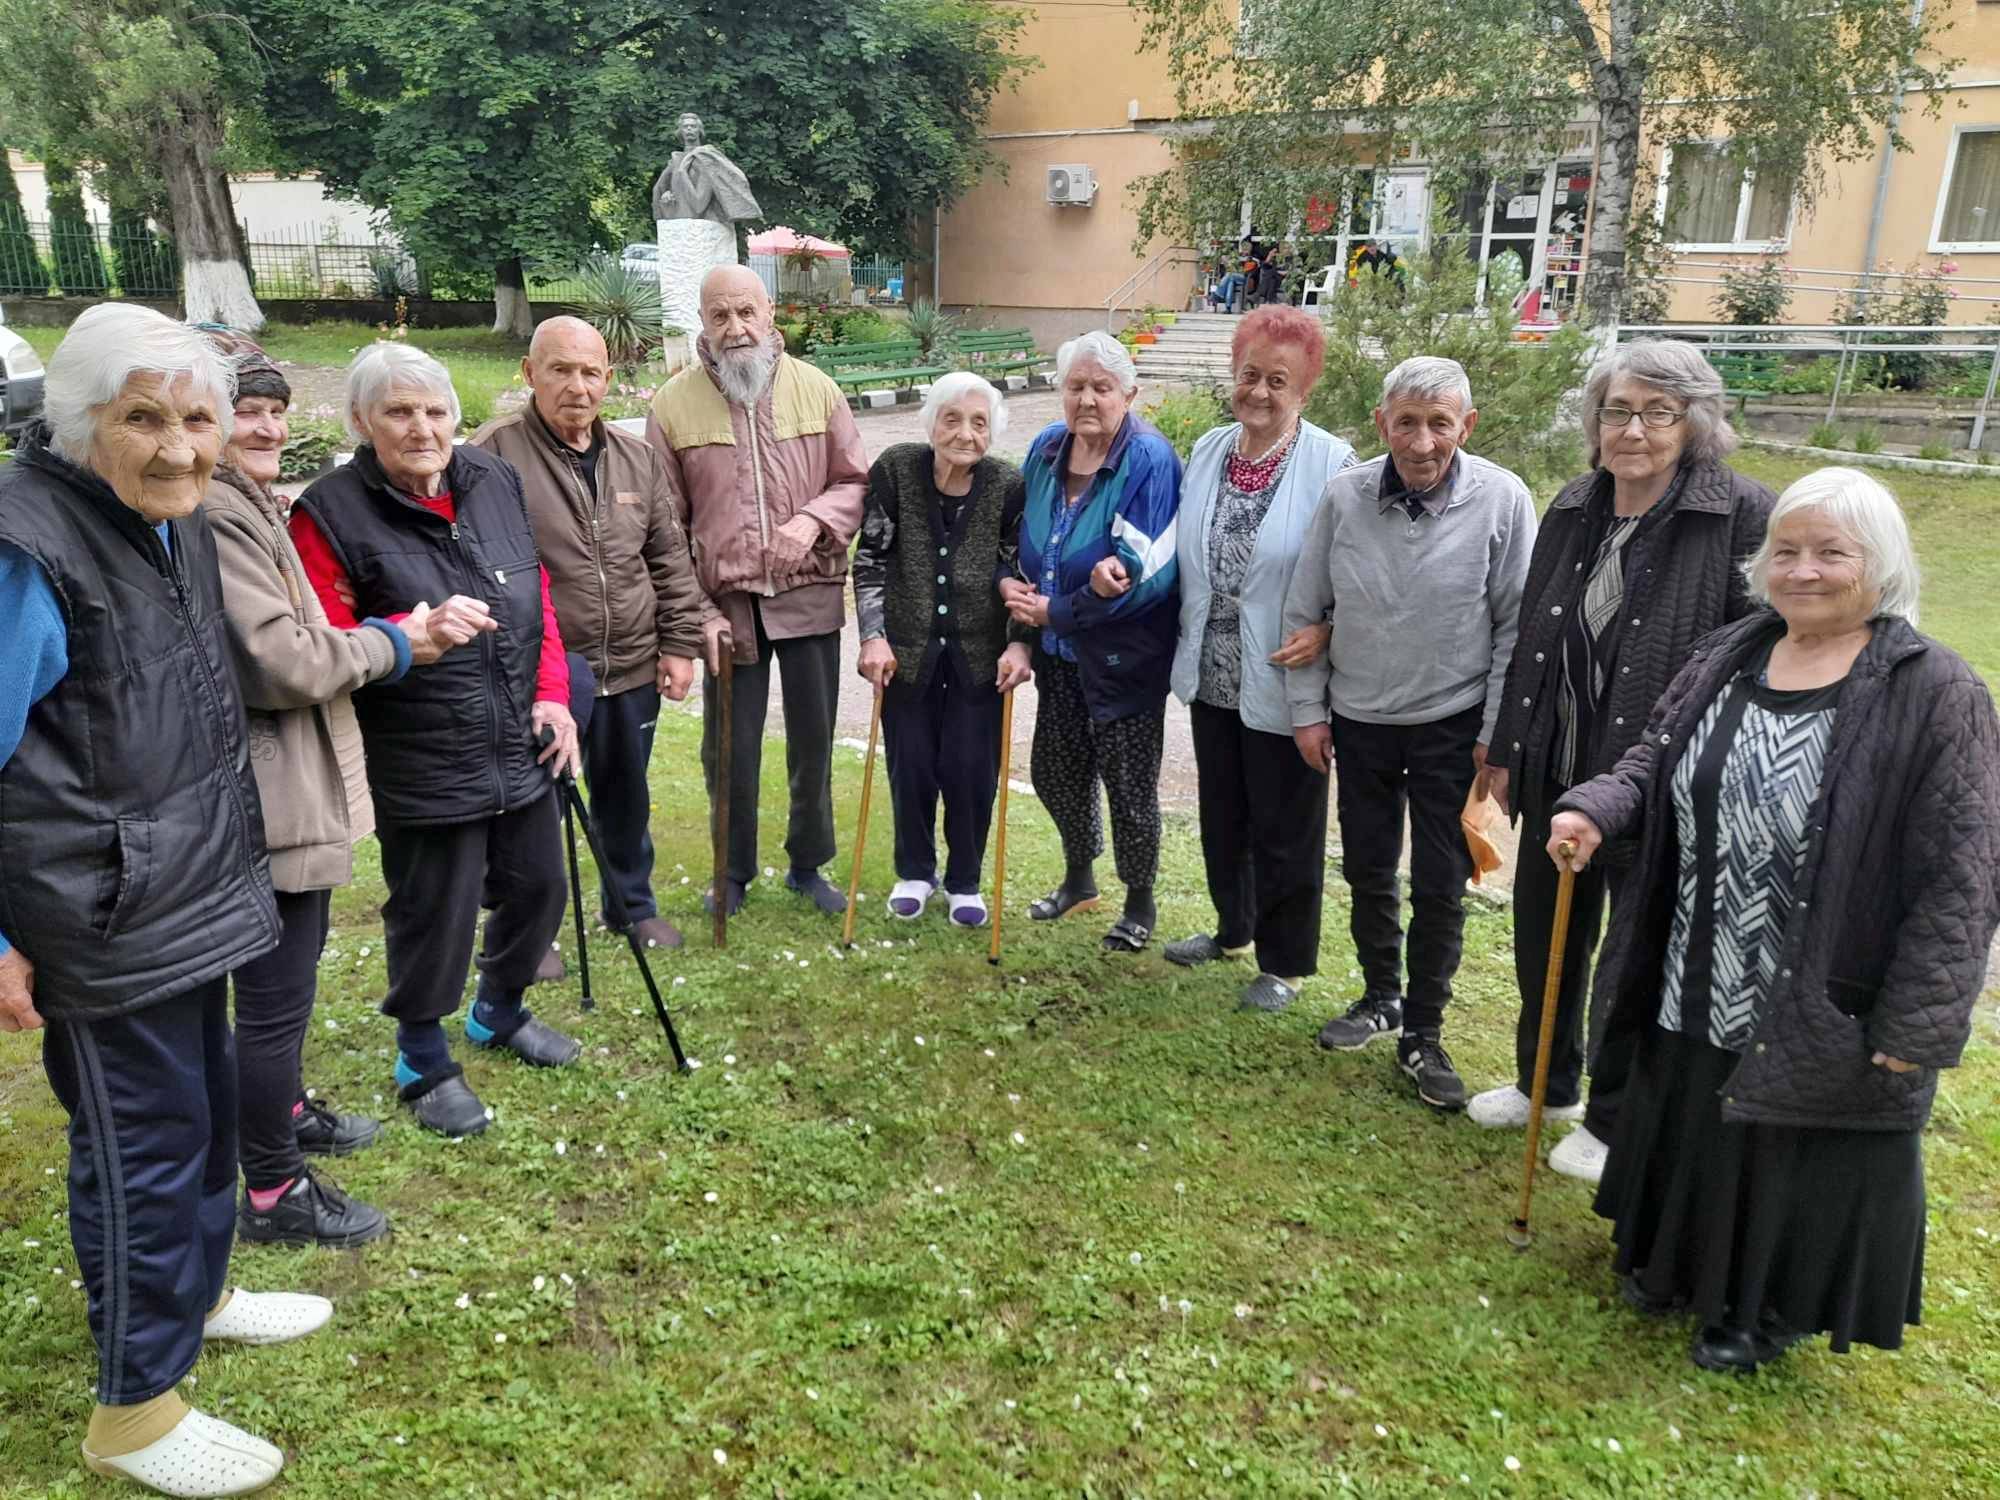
(1097, 585)
(136, 874)
(1635, 562)
(939, 530)
(1816, 808)
(461, 751)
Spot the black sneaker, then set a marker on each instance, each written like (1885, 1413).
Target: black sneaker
(1367, 1018)
(312, 1212)
(1428, 1065)
(321, 1132)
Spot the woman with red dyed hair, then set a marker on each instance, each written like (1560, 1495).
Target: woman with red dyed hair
(1250, 490)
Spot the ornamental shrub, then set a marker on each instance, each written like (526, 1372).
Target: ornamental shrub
(78, 264)
(22, 271)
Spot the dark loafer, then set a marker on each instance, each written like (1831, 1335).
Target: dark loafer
(1638, 1298)
(444, 1102)
(1266, 993)
(655, 932)
(540, 1045)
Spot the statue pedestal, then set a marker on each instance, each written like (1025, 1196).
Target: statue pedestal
(689, 250)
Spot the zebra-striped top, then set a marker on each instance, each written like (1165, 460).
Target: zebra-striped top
(1743, 794)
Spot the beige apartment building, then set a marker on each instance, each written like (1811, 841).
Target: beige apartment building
(1051, 245)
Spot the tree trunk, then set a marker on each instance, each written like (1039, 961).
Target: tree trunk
(215, 285)
(1618, 79)
(511, 313)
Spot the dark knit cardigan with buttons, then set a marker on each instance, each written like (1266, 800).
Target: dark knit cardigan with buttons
(925, 585)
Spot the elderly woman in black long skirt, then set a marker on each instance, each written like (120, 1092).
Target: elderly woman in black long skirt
(1816, 801)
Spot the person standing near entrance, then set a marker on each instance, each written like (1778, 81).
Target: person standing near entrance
(621, 580)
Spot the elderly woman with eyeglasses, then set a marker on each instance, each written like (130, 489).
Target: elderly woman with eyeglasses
(1635, 562)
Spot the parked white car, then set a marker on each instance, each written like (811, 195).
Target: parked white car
(642, 257)
(20, 383)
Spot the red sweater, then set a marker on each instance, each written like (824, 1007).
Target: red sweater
(336, 595)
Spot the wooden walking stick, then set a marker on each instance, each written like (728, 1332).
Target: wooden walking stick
(1518, 1234)
(861, 833)
(1000, 846)
(725, 686)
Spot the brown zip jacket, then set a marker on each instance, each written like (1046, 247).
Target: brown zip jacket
(620, 574)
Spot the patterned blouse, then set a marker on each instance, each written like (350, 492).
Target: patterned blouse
(1743, 795)
(1242, 500)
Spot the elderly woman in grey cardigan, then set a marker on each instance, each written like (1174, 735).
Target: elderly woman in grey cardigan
(1250, 489)
(939, 530)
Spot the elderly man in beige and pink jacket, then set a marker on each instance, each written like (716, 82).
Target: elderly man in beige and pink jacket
(766, 465)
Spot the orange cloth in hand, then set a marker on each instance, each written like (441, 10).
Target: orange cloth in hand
(1475, 819)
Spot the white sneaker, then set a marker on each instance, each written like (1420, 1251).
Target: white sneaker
(1580, 1155)
(201, 1456)
(267, 1317)
(968, 910)
(1506, 1108)
(908, 898)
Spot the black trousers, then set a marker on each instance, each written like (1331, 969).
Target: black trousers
(435, 874)
(1382, 770)
(1263, 839)
(943, 740)
(1073, 754)
(809, 679)
(274, 1003)
(617, 749)
(151, 1098)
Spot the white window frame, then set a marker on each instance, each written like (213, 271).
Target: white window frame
(1744, 193)
(1939, 245)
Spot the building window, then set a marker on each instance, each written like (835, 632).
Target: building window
(1710, 201)
(1968, 214)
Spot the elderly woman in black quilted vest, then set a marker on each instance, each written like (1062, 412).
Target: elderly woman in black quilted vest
(939, 532)
(1816, 805)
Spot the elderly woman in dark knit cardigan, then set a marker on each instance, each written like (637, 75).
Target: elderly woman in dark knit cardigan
(939, 531)
(1816, 801)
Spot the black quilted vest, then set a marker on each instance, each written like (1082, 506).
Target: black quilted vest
(131, 838)
(450, 742)
(940, 584)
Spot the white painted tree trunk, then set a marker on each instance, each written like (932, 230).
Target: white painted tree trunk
(511, 311)
(218, 291)
(214, 281)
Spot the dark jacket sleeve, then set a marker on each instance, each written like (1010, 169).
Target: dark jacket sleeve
(1616, 801)
(1950, 877)
(871, 554)
(1747, 524)
(671, 566)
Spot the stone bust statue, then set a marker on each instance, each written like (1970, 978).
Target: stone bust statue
(701, 183)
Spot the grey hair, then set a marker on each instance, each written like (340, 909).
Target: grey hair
(948, 388)
(1677, 369)
(1101, 349)
(1862, 506)
(1430, 377)
(105, 347)
(381, 367)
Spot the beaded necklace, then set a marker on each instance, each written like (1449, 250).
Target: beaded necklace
(1251, 476)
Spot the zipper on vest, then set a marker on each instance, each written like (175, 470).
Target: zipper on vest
(603, 581)
(491, 654)
(757, 479)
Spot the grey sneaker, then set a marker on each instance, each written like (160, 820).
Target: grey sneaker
(1199, 949)
(1422, 1057)
(1366, 1019)
(1267, 992)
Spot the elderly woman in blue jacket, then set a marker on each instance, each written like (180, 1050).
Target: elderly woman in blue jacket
(1097, 564)
(1252, 486)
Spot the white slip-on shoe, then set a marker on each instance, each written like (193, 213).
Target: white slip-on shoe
(968, 910)
(201, 1456)
(267, 1317)
(1580, 1155)
(1506, 1108)
(908, 898)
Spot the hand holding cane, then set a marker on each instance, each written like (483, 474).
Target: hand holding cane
(543, 740)
(1000, 844)
(861, 833)
(725, 692)
(1518, 1234)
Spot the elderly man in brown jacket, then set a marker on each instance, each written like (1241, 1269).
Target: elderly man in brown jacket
(620, 579)
(766, 463)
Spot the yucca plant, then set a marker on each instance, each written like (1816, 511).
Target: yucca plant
(932, 328)
(622, 304)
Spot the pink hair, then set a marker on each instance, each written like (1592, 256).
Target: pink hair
(1291, 326)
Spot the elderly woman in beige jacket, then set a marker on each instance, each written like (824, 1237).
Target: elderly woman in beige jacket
(296, 672)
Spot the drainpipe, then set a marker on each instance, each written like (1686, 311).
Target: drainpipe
(937, 247)
(1874, 246)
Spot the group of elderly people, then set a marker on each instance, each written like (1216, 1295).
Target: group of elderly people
(1710, 705)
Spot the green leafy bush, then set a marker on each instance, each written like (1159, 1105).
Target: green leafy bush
(932, 327)
(1825, 435)
(1868, 439)
(310, 448)
(1183, 416)
(79, 267)
(1756, 293)
(622, 304)
(1935, 451)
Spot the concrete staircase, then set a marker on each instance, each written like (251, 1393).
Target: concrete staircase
(1194, 350)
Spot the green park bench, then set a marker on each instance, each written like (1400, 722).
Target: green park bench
(1000, 351)
(893, 362)
(1745, 374)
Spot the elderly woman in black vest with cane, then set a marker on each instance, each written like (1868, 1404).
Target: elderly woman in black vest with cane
(938, 534)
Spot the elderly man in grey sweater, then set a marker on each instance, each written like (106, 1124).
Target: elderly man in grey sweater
(1417, 561)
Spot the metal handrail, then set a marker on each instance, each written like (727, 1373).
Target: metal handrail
(1131, 283)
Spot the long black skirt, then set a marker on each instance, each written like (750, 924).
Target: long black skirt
(1823, 1228)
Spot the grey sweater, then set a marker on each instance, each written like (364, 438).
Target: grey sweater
(1424, 612)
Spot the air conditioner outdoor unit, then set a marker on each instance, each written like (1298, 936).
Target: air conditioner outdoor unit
(1072, 184)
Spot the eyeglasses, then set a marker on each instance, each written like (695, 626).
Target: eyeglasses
(1653, 416)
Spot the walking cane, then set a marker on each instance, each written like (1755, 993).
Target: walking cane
(1518, 1234)
(576, 901)
(1000, 847)
(861, 833)
(725, 691)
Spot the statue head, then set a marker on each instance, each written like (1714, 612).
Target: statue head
(691, 131)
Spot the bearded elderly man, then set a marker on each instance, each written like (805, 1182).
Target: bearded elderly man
(766, 466)
(621, 580)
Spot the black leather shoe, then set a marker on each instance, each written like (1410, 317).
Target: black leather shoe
(444, 1102)
(540, 1045)
(1737, 1351)
(1641, 1300)
(312, 1212)
(321, 1132)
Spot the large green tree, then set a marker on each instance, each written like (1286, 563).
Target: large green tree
(143, 89)
(499, 135)
(1285, 98)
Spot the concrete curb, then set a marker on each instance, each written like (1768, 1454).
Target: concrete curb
(1878, 460)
